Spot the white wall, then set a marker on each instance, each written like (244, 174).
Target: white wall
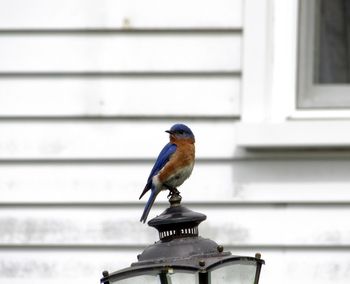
(87, 89)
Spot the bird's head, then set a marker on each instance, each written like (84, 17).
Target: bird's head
(180, 131)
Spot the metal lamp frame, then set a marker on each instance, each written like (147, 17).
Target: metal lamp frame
(181, 249)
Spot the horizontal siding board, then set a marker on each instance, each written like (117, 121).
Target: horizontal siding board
(155, 96)
(106, 139)
(228, 225)
(54, 267)
(82, 14)
(238, 182)
(120, 52)
(103, 184)
(289, 267)
(62, 266)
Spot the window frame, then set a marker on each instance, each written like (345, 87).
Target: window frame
(270, 85)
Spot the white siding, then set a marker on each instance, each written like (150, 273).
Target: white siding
(116, 14)
(282, 181)
(80, 83)
(120, 96)
(112, 139)
(87, 89)
(112, 225)
(120, 52)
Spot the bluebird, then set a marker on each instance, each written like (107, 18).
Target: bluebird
(173, 165)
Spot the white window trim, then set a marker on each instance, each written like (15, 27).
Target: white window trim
(269, 116)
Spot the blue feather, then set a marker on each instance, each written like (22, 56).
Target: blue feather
(162, 159)
(149, 205)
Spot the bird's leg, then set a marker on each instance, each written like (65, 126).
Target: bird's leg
(174, 197)
(173, 192)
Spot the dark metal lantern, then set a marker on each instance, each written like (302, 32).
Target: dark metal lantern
(182, 256)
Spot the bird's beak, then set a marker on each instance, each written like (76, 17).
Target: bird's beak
(169, 131)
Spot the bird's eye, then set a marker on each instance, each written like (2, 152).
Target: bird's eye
(181, 132)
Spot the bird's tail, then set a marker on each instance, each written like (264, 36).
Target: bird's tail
(148, 206)
(147, 188)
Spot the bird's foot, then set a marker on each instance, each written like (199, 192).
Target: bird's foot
(173, 191)
(174, 197)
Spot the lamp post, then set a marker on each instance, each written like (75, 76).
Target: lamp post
(182, 256)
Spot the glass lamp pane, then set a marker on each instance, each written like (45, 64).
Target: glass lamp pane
(184, 278)
(234, 274)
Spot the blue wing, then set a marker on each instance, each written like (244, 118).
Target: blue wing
(162, 159)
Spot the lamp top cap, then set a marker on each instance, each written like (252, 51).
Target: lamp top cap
(176, 217)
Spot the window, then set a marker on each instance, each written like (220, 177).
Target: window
(285, 102)
(324, 54)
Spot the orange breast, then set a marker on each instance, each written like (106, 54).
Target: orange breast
(183, 157)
